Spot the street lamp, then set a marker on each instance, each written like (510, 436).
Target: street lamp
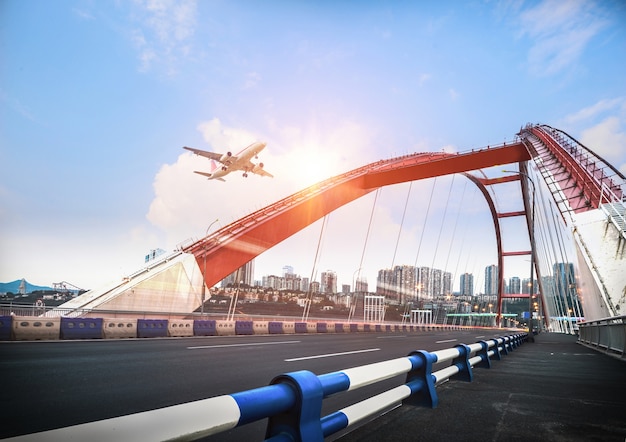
(204, 273)
(531, 337)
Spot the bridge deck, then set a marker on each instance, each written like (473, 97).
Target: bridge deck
(553, 390)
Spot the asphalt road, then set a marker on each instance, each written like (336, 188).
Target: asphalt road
(54, 384)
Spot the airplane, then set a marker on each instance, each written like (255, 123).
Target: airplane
(229, 163)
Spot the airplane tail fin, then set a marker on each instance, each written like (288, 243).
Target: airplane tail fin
(214, 166)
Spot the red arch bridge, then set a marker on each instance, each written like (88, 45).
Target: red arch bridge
(572, 204)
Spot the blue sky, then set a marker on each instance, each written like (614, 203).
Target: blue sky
(97, 98)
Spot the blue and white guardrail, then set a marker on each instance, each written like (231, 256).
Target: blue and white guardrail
(293, 401)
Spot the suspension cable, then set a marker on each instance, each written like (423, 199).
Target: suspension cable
(369, 225)
(309, 297)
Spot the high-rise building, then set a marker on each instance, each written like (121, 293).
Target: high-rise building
(424, 283)
(467, 284)
(287, 270)
(436, 283)
(243, 275)
(491, 280)
(515, 285)
(361, 285)
(329, 282)
(447, 283)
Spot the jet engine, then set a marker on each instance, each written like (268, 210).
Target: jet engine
(257, 168)
(226, 157)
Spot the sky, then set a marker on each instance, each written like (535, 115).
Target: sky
(98, 98)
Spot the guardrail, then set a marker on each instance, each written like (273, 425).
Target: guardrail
(292, 402)
(607, 334)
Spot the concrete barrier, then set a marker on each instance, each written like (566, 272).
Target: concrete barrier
(81, 328)
(275, 328)
(151, 328)
(260, 327)
(204, 327)
(339, 327)
(367, 328)
(378, 328)
(6, 325)
(311, 327)
(289, 327)
(244, 328)
(354, 328)
(119, 328)
(388, 328)
(225, 328)
(27, 328)
(301, 327)
(321, 327)
(180, 328)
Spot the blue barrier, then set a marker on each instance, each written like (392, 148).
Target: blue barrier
(81, 328)
(301, 327)
(354, 328)
(275, 328)
(292, 402)
(339, 327)
(151, 328)
(204, 327)
(6, 325)
(322, 327)
(244, 328)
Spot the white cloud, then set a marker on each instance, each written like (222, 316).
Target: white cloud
(164, 28)
(185, 203)
(608, 139)
(596, 109)
(560, 31)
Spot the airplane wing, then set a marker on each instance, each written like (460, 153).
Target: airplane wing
(204, 153)
(249, 166)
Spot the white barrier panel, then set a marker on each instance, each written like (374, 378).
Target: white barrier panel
(225, 328)
(28, 328)
(311, 327)
(119, 328)
(180, 327)
(289, 327)
(260, 327)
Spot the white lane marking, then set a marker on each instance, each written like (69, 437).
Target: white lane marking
(242, 345)
(331, 355)
(478, 337)
(447, 340)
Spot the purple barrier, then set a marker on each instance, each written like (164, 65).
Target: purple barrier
(379, 328)
(151, 328)
(275, 328)
(388, 328)
(396, 328)
(301, 327)
(322, 327)
(6, 324)
(354, 328)
(204, 327)
(244, 328)
(81, 328)
(339, 328)
(367, 327)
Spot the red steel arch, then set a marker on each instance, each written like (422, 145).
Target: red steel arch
(227, 249)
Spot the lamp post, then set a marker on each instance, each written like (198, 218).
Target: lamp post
(531, 290)
(204, 272)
